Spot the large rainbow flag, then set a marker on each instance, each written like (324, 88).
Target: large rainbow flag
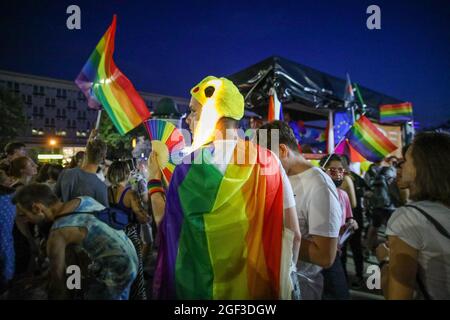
(105, 85)
(401, 112)
(221, 236)
(370, 142)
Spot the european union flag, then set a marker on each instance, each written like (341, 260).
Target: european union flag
(342, 123)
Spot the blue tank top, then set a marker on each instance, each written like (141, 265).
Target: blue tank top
(107, 247)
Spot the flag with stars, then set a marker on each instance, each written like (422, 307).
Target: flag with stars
(342, 123)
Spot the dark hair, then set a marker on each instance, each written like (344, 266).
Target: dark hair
(77, 158)
(286, 135)
(431, 157)
(17, 165)
(11, 147)
(96, 151)
(54, 171)
(118, 171)
(333, 157)
(34, 192)
(42, 176)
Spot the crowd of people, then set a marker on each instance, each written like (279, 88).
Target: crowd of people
(396, 215)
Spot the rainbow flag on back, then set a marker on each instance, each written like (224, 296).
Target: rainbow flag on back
(369, 141)
(105, 85)
(221, 236)
(401, 112)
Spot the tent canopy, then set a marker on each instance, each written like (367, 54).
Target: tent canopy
(307, 94)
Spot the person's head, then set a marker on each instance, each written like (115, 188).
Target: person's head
(53, 172)
(213, 99)
(5, 179)
(96, 151)
(118, 172)
(77, 159)
(285, 145)
(334, 168)
(391, 161)
(23, 167)
(15, 149)
(425, 170)
(35, 201)
(42, 175)
(400, 164)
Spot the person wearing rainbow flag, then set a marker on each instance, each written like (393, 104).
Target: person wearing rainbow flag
(227, 228)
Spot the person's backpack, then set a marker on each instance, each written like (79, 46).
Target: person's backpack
(441, 230)
(380, 197)
(114, 217)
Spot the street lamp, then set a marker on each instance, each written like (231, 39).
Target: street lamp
(52, 142)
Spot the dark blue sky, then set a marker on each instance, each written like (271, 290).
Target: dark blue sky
(168, 46)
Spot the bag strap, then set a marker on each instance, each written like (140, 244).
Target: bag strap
(436, 224)
(122, 196)
(72, 213)
(442, 231)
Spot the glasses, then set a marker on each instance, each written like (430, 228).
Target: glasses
(336, 170)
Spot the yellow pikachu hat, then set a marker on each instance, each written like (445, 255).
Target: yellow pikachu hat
(219, 98)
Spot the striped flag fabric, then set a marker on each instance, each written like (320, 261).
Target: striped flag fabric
(105, 85)
(275, 108)
(370, 142)
(221, 235)
(401, 112)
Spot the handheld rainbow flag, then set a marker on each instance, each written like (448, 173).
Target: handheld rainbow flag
(105, 85)
(168, 142)
(401, 112)
(221, 235)
(370, 142)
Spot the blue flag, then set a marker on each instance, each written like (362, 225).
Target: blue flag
(342, 123)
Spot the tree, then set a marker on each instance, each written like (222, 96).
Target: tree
(118, 146)
(13, 121)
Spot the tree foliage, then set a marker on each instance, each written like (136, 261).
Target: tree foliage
(13, 121)
(118, 146)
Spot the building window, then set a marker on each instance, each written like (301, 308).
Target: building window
(41, 110)
(47, 102)
(69, 104)
(16, 87)
(35, 90)
(35, 111)
(88, 125)
(58, 93)
(68, 124)
(10, 85)
(41, 91)
(74, 124)
(58, 113)
(46, 121)
(53, 102)
(64, 93)
(74, 104)
(52, 121)
(64, 113)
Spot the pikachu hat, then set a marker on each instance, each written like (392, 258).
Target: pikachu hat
(219, 98)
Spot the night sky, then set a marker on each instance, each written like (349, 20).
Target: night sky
(166, 47)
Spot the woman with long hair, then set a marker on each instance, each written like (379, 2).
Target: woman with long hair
(121, 195)
(415, 262)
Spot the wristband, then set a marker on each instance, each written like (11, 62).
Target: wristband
(154, 186)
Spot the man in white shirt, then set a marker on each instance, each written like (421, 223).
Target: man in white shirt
(318, 209)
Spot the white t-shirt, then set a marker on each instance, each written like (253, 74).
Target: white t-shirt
(223, 151)
(319, 213)
(412, 227)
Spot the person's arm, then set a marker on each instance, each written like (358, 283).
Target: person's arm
(350, 189)
(291, 222)
(319, 250)
(56, 251)
(398, 277)
(137, 208)
(157, 199)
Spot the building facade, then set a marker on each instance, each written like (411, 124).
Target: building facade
(57, 110)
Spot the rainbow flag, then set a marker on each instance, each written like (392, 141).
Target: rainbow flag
(370, 142)
(105, 85)
(401, 112)
(221, 236)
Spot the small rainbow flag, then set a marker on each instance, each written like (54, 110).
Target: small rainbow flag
(370, 142)
(401, 112)
(221, 235)
(275, 108)
(105, 85)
